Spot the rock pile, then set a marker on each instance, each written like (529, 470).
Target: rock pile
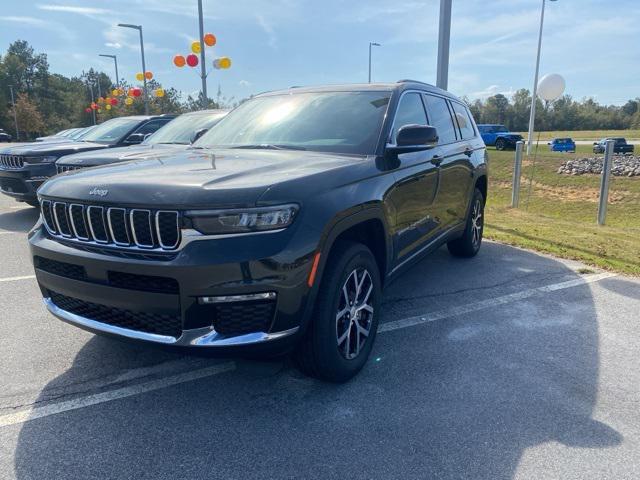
(623, 166)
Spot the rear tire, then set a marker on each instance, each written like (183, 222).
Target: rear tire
(343, 328)
(470, 242)
(501, 144)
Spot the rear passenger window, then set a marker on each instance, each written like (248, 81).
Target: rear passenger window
(440, 117)
(152, 126)
(464, 121)
(410, 111)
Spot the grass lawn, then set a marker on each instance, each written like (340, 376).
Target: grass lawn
(559, 216)
(591, 135)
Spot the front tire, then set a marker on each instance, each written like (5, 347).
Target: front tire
(469, 244)
(345, 320)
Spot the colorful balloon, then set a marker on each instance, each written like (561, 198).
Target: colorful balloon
(192, 60)
(99, 110)
(128, 101)
(209, 39)
(94, 105)
(159, 92)
(115, 92)
(216, 64)
(114, 101)
(196, 47)
(137, 92)
(148, 75)
(108, 106)
(225, 62)
(139, 77)
(101, 100)
(121, 91)
(130, 92)
(179, 61)
(88, 109)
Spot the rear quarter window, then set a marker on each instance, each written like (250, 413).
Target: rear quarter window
(464, 121)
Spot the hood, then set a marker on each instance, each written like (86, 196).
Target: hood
(52, 148)
(107, 156)
(195, 178)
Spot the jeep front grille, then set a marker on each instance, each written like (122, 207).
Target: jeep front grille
(67, 168)
(133, 228)
(12, 162)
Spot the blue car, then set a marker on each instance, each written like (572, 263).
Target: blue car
(498, 136)
(562, 145)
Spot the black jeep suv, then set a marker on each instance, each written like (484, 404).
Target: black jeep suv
(276, 231)
(25, 167)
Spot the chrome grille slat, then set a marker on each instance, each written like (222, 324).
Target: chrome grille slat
(12, 162)
(143, 229)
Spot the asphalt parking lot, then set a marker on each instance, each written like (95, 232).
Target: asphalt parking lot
(510, 365)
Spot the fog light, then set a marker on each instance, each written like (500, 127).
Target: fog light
(237, 298)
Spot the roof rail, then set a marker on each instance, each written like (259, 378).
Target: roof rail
(408, 80)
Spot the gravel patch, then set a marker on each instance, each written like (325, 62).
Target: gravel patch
(623, 166)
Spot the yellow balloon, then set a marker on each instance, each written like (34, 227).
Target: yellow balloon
(107, 106)
(121, 91)
(128, 101)
(225, 62)
(196, 47)
(140, 76)
(115, 92)
(160, 92)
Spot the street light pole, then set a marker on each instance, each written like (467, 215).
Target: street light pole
(93, 110)
(532, 116)
(15, 113)
(144, 67)
(444, 38)
(371, 44)
(115, 61)
(203, 65)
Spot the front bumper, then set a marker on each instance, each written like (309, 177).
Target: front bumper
(273, 262)
(22, 184)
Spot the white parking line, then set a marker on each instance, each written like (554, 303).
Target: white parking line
(7, 232)
(40, 412)
(490, 302)
(15, 279)
(52, 409)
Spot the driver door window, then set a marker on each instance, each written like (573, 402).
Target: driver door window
(410, 111)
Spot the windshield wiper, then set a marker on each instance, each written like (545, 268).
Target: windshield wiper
(170, 143)
(270, 146)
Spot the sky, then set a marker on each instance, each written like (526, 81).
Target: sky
(273, 44)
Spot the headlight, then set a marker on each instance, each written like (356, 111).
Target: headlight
(38, 160)
(215, 222)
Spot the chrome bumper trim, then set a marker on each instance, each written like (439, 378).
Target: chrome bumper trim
(199, 337)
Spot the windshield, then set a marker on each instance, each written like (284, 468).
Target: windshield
(181, 129)
(342, 122)
(111, 131)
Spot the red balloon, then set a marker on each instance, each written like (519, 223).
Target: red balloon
(137, 92)
(192, 60)
(88, 109)
(114, 101)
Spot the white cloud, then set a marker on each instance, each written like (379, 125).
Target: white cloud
(113, 45)
(36, 22)
(268, 29)
(244, 83)
(73, 9)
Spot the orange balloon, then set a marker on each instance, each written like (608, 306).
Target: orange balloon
(179, 61)
(209, 39)
(148, 75)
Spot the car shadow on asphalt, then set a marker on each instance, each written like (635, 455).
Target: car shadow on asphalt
(461, 398)
(19, 220)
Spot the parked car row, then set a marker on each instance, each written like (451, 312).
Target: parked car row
(24, 168)
(273, 232)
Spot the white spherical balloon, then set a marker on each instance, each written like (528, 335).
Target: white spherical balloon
(551, 87)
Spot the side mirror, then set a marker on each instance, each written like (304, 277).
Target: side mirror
(595, 143)
(134, 139)
(413, 138)
(198, 133)
(146, 136)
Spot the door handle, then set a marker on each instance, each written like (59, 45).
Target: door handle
(436, 160)
(468, 151)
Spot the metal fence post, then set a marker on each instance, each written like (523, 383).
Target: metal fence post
(517, 168)
(604, 182)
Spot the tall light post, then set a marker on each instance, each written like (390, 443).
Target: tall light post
(444, 36)
(93, 110)
(15, 113)
(532, 115)
(371, 44)
(203, 65)
(144, 67)
(115, 61)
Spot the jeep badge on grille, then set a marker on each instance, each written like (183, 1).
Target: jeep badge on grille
(102, 192)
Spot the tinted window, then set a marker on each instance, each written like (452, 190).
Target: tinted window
(182, 129)
(111, 131)
(464, 121)
(152, 126)
(410, 111)
(341, 122)
(440, 117)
